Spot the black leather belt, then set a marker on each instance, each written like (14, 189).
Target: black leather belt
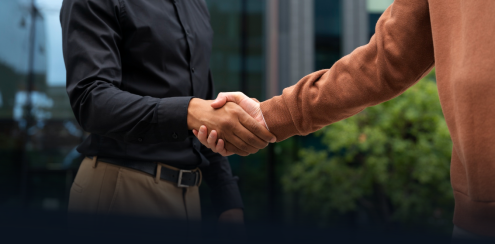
(183, 178)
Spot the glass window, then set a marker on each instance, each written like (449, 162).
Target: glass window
(375, 9)
(328, 32)
(237, 61)
(38, 132)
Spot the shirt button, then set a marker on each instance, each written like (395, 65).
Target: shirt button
(192, 70)
(140, 139)
(174, 135)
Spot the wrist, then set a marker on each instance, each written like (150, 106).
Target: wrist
(192, 113)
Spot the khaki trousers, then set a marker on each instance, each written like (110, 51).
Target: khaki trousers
(102, 188)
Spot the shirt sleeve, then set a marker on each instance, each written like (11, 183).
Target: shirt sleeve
(91, 33)
(397, 56)
(225, 192)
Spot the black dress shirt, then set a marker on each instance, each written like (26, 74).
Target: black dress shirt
(132, 68)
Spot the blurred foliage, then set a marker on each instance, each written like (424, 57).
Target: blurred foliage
(391, 160)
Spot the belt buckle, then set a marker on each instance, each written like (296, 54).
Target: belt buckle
(180, 178)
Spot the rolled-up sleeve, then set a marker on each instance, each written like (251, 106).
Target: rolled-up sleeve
(92, 35)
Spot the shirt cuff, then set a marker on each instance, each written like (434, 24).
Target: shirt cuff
(172, 118)
(226, 197)
(278, 118)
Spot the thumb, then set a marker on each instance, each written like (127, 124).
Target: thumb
(224, 97)
(220, 101)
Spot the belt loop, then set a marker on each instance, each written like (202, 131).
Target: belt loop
(158, 173)
(95, 161)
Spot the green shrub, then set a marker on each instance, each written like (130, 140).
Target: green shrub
(391, 160)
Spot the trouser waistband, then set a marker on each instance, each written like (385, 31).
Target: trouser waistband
(183, 178)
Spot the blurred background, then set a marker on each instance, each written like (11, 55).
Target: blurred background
(387, 167)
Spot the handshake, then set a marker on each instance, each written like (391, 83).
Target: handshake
(232, 124)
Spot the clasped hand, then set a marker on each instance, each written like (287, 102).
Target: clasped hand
(235, 123)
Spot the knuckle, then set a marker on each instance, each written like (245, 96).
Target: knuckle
(233, 108)
(230, 125)
(225, 122)
(230, 148)
(253, 141)
(256, 130)
(238, 110)
(244, 147)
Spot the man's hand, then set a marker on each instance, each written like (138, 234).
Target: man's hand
(241, 133)
(250, 105)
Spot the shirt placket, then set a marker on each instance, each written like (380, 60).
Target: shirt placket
(186, 28)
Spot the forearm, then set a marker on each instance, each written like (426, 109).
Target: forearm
(398, 55)
(106, 110)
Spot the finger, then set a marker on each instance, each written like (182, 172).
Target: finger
(249, 138)
(224, 97)
(256, 128)
(232, 148)
(256, 100)
(195, 132)
(221, 149)
(219, 101)
(202, 135)
(241, 144)
(220, 146)
(212, 139)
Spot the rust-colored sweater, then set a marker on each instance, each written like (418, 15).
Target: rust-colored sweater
(413, 36)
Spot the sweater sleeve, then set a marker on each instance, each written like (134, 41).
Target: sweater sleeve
(397, 56)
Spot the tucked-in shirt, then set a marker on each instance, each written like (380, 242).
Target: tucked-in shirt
(132, 68)
(412, 36)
